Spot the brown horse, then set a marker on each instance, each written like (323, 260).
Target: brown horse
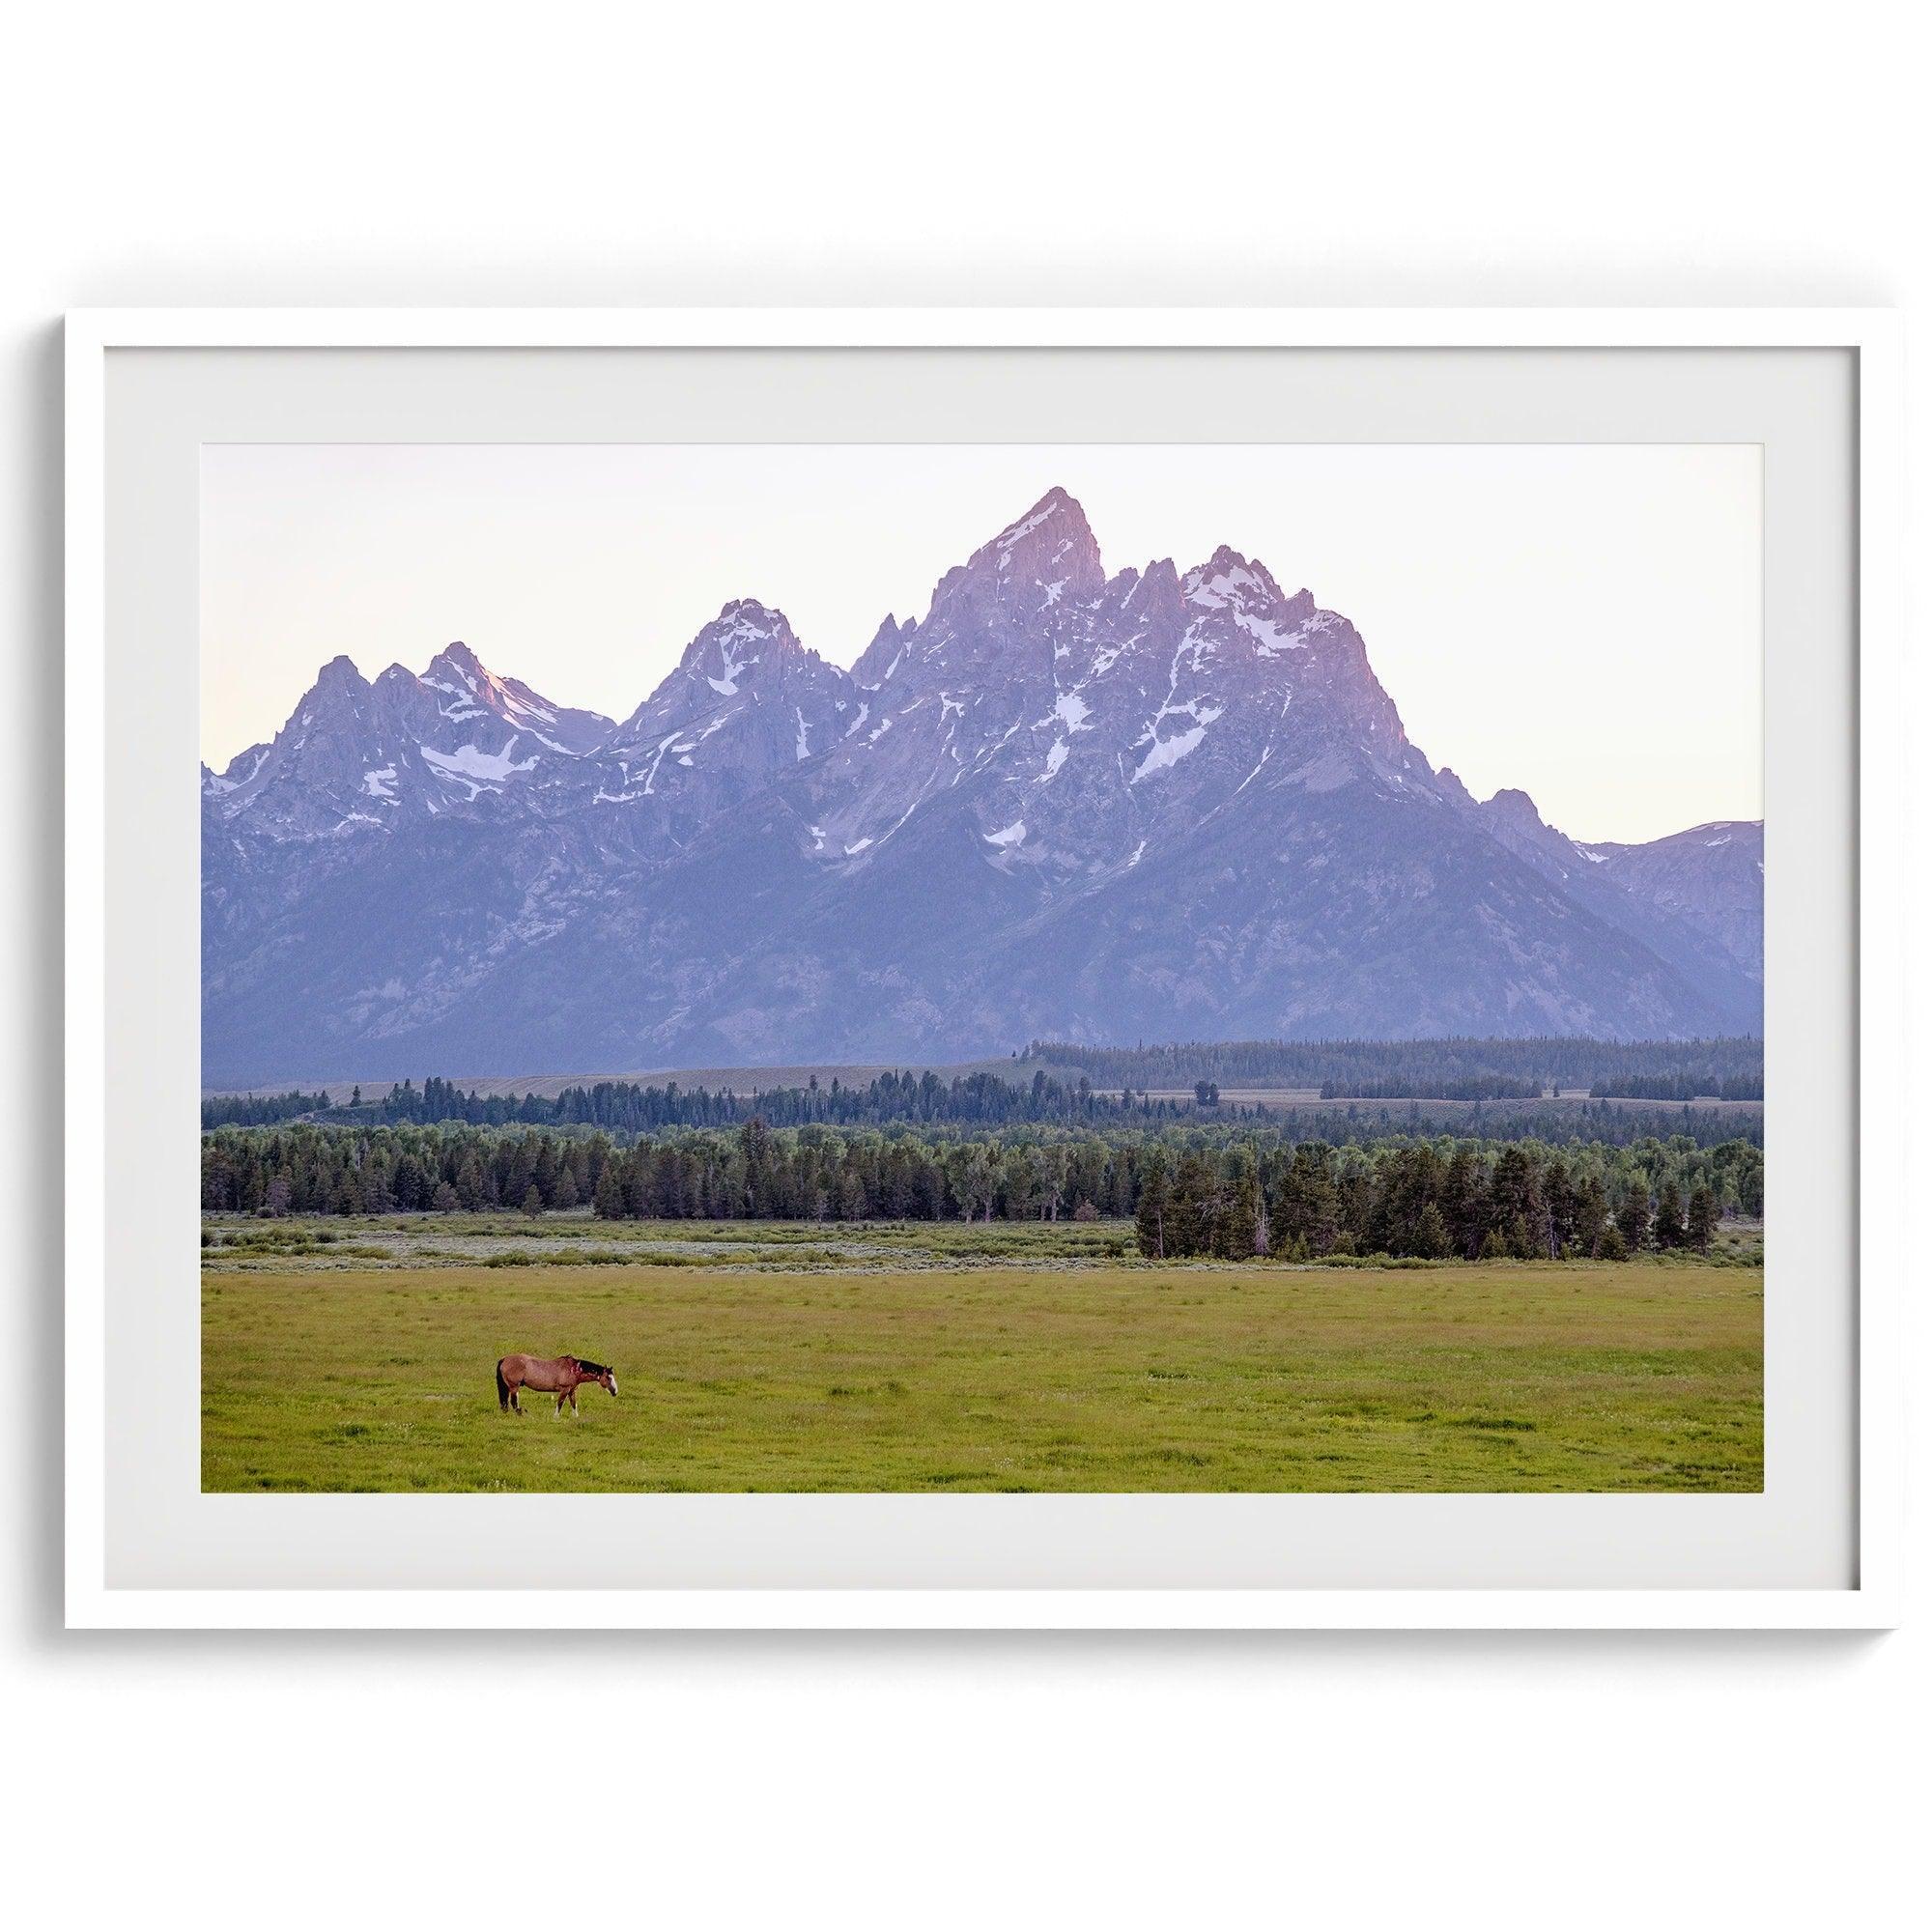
(556, 1375)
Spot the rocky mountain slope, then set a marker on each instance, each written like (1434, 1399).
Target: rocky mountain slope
(1155, 804)
(1711, 877)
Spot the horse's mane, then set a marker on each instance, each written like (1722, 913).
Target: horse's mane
(591, 1368)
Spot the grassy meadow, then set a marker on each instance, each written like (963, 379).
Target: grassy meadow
(947, 1357)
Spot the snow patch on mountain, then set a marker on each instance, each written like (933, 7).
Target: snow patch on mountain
(1073, 710)
(1027, 524)
(1269, 638)
(1168, 753)
(217, 788)
(471, 765)
(1216, 592)
(732, 657)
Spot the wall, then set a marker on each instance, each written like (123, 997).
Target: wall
(366, 153)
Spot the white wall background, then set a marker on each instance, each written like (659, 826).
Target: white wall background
(1039, 153)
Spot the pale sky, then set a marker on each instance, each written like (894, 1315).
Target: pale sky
(1580, 621)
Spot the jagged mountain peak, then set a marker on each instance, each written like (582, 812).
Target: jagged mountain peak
(745, 634)
(1051, 545)
(1245, 586)
(1241, 573)
(1059, 507)
(466, 689)
(746, 699)
(338, 676)
(355, 756)
(751, 615)
(876, 661)
(459, 671)
(1515, 807)
(1510, 815)
(458, 655)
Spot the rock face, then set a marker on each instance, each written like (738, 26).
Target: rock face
(1159, 805)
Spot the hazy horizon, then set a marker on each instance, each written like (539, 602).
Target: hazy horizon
(1580, 622)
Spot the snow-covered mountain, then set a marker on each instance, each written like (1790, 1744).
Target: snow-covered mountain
(745, 702)
(383, 753)
(1162, 804)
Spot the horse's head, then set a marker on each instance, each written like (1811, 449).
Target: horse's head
(597, 1372)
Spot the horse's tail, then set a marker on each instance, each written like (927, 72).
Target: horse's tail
(503, 1388)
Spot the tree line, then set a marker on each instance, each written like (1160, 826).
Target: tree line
(1554, 1121)
(1192, 1190)
(1434, 1200)
(259, 1110)
(983, 1102)
(1681, 1087)
(1370, 1068)
(620, 1106)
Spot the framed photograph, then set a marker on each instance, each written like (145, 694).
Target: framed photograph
(985, 969)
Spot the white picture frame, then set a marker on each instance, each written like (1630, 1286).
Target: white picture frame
(1871, 1599)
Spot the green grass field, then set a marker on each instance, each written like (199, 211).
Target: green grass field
(751, 1358)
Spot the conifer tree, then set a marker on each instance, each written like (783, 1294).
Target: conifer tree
(1238, 1228)
(1432, 1233)
(1151, 1215)
(1633, 1213)
(470, 1185)
(1190, 1208)
(1588, 1216)
(1305, 1208)
(1463, 1202)
(608, 1202)
(1702, 1224)
(1669, 1232)
(1515, 1201)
